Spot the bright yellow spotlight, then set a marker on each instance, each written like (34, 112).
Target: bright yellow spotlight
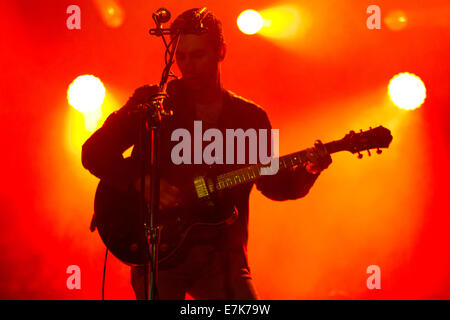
(396, 20)
(111, 12)
(407, 91)
(86, 93)
(281, 22)
(81, 125)
(250, 22)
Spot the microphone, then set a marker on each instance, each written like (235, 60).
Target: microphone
(195, 26)
(162, 15)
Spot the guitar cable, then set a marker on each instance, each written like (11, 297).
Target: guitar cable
(104, 273)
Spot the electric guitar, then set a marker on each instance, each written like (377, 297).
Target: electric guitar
(121, 228)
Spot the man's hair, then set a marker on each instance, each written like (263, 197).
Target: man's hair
(187, 23)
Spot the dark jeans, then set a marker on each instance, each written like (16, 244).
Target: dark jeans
(206, 273)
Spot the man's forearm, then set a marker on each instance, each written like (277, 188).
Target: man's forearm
(287, 184)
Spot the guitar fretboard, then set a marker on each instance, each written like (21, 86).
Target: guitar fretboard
(252, 173)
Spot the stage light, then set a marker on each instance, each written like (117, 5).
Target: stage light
(86, 93)
(281, 21)
(407, 91)
(250, 22)
(111, 12)
(396, 20)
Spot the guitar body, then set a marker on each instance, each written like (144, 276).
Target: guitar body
(121, 227)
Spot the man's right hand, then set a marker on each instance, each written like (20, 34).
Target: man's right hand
(169, 195)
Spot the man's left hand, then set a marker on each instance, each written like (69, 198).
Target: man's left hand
(318, 158)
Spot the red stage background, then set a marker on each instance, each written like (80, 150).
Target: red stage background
(389, 210)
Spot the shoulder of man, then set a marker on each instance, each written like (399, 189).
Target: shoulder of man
(248, 108)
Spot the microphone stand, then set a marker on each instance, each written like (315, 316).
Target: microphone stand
(152, 113)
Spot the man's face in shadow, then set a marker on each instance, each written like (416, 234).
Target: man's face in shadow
(197, 61)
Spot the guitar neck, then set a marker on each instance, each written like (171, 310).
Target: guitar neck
(252, 173)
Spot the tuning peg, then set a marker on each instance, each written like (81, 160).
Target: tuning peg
(360, 155)
(379, 151)
(368, 152)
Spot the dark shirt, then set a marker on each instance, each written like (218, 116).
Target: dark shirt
(102, 152)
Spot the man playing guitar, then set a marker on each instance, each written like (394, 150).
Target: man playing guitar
(214, 266)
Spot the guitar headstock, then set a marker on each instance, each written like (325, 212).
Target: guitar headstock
(377, 138)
